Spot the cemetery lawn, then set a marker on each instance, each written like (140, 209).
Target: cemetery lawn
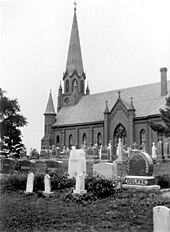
(125, 211)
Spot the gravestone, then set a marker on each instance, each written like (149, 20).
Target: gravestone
(53, 155)
(89, 153)
(107, 170)
(80, 184)
(30, 183)
(160, 151)
(34, 154)
(105, 154)
(77, 162)
(165, 148)
(40, 166)
(119, 152)
(96, 152)
(154, 156)
(45, 154)
(53, 165)
(161, 219)
(140, 171)
(26, 165)
(8, 165)
(47, 183)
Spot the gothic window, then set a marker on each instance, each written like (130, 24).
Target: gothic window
(67, 86)
(82, 86)
(99, 138)
(74, 82)
(70, 141)
(58, 140)
(84, 138)
(142, 138)
(120, 133)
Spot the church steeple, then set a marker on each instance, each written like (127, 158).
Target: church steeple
(74, 65)
(50, 106)
(74, 58)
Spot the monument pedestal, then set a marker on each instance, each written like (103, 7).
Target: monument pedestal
(81, 192)
(140, 182)
(46, 194)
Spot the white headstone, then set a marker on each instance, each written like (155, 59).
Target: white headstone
(47, 183)
(154, 155)
(77, 162)
(80, 184)
(161, 219)
(119, 151)
(30, 183)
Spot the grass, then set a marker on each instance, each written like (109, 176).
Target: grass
(124, 211)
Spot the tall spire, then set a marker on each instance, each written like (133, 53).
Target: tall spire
(74, 58)
(50, 105)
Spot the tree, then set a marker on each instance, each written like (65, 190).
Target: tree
(165, 116)
(11, 121)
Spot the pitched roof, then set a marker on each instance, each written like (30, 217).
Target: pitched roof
(74, 58)
(147, 100)
(50, 106)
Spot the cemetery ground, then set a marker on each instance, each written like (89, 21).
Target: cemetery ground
(116, 210)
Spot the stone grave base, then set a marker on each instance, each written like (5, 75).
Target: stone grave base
(140, 182)
(25, 192)
(47, 194)
(142, 187)
(81, 192)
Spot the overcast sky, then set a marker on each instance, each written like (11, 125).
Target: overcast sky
(124, 43)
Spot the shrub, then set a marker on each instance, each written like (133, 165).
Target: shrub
(99, 186)
(163, 181)
(15, 181)
(18, 181)
(61, 182)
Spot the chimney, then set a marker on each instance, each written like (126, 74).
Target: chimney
(164, 90)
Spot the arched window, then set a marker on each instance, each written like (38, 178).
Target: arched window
(58, 140)
(142, 138)
(120, 133)
(45, 128)
(70, 141)
(67, 86)
(99, 138)
(74, 82)
(84, 138)
(82, 86)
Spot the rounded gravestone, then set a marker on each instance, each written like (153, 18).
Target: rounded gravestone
(139, 164)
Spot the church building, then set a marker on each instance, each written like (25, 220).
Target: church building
(102, 117)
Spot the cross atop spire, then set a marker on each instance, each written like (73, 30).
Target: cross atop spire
(75, 4)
